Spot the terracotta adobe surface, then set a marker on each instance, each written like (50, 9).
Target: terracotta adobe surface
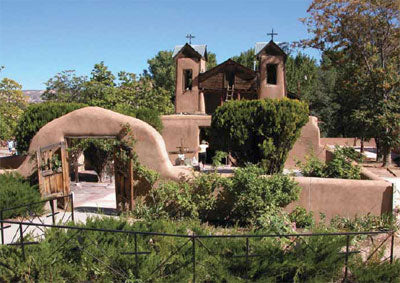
(96, 121)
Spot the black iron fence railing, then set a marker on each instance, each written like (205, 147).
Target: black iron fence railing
(190, 244)
(30, 212)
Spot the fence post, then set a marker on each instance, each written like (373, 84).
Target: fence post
(2, 227)
(71, 198)
(392, 248)
(21, 238)
(194, 256)
(347, 257)
(247, 258)
(136, 257)
(53, 217)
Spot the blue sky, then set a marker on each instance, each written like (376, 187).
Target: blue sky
(41, 38)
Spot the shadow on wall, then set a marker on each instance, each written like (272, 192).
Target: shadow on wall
(11, 162)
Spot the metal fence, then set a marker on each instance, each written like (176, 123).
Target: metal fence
(31, 216)
(193, 243)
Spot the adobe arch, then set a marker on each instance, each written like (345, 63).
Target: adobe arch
(96, 121)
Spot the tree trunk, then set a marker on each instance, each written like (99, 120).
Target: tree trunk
(378, 151)
(362, 145)
(387, 157)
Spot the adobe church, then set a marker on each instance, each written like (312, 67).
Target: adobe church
(201, 91)
(198, 92)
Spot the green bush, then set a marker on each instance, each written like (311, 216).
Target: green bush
(340, 166)
(248, 198)
(38, 115)
(374, 271)
(364, 223)
(252, 195)
(16, 191)
(258, 131)
(65, 255)
(301, 217)
(194, 198)
(150, 116)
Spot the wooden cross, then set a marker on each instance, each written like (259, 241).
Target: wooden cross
(190, 36)
(272, 34)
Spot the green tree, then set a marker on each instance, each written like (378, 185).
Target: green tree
(101, 74)
(362, 37)
(162, 71)
(36, 116)
(246, 58)
(258, 131)
(65, 87)
(12, 104)
(141, 93)
(211, 61)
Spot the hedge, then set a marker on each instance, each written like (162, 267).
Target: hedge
(38, 115)
(16, 191)
(67, 256)
(258, 131)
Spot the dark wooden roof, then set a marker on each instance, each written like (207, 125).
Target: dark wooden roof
(272, 49)
(189, 51)
(229, 65)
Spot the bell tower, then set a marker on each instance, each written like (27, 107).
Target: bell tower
(190, 61)
(272, 75)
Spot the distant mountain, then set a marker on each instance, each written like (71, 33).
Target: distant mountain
(34, 95)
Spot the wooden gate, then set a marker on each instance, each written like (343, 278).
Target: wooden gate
(124, 181)
(53, 171)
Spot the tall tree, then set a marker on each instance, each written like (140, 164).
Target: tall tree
(211, 60)
(65, 87)
(12, 103)
(362, 37)
(246, 58)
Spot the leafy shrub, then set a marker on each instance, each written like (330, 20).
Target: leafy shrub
(364, 223)
(252, 195)
(259, 131)
(374, 271)
(65, 255)
(301, 217)
(340, 166)
(16, 191)
(217, 158)
(38, 115)
(195, 198)
(349, 152)
(150, 116)
(246, 198)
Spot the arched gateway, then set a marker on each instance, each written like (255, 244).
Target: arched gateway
(98, 122)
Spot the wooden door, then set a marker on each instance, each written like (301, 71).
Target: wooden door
(53, 170)
(124, 187)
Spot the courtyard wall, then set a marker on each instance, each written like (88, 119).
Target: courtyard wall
(346, 198)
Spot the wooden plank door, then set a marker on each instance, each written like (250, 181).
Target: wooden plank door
(124, 193)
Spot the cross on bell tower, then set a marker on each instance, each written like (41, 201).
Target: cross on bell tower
(272, 34)
(190, 36)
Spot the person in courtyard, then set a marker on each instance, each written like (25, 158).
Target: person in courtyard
(10, 144)
(203, 153)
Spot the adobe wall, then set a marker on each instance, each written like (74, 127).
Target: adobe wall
(96, 121)
(186, 127)
(187, 101)
(269, 90)
(309, 141)
(347, 198)
(347, 142)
